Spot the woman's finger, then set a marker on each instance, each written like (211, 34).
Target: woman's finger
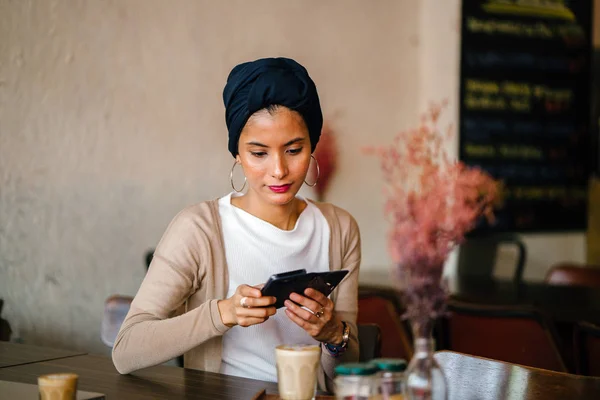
(317, 296)
(249, 321)
(302, 323)
(249, 302)
(309, 303)
(257, 312)
(249, 291)
(301, 312)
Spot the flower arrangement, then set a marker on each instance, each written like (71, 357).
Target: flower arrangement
(432, 203)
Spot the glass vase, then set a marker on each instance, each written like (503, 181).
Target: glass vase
(424, 379)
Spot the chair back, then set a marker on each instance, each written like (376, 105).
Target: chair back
(515, 334)
(115, 310)
(573, 274)
(5, 330)
(587, 349)
(477, 255)
(369, 339)
(148, 256)
(382, 307)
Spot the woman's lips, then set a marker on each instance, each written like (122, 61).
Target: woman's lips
(280, 188)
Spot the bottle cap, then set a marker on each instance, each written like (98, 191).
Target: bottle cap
(390, 364)
(362, 369)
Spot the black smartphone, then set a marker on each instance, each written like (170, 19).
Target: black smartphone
(281, 286)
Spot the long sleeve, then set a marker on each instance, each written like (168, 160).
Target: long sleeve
(346, 299)
(151, 334)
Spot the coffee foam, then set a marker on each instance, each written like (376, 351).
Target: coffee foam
(299, 347)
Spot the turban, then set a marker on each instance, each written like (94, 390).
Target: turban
(255, 85)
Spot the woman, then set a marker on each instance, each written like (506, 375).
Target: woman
(201, 296)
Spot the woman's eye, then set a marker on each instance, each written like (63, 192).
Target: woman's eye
(258, 153)
(295, 151)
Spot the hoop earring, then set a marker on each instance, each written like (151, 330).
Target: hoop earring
(318, 173)
(231, 178)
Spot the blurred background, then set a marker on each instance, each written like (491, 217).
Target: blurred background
(111, 121)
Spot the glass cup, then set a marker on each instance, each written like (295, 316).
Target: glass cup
(297, 367)
(62, 386)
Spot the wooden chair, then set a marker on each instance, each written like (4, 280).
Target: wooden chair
(148, 258)
(578, 275)
(587, 349)
(514, 334)
(5, 330)
(369, 338)
(573, 274)
(115, 310)
(477, 255)
(382, 306)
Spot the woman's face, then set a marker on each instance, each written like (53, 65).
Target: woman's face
(274, 151)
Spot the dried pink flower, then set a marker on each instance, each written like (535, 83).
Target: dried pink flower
(432, 202)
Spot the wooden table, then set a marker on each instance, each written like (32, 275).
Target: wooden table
(98, 374)
(478, 378)
(566, 304)
(12, 354)
(469, 378)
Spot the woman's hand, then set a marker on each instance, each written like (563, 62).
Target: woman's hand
(320, 322)
(246, 307)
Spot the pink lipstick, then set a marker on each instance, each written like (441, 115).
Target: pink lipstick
(280, 188)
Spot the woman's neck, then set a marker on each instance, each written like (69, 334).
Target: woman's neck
(283, 217)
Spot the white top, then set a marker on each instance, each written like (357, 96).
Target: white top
(255, 250)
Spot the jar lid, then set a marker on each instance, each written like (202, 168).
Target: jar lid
(362, 369)
(390, 364)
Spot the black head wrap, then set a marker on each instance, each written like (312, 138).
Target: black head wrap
(255, 85)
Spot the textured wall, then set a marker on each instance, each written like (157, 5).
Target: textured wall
(111, 121)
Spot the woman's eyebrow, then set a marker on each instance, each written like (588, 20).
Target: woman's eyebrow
(296, 140)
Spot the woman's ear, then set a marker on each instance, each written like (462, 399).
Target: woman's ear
(238, 159)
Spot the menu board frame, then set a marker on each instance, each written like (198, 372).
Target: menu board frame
(525, 108)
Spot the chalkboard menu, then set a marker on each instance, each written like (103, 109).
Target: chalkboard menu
(525, 107)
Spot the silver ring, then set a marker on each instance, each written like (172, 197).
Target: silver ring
(319, 313)
(243, 302)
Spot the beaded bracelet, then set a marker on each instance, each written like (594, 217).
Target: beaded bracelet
(337, 350)
(334, 350)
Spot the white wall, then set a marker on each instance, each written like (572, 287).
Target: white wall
(111, 120)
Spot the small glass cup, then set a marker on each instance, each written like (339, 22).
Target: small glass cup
(61, 386)
(356, 381)
(391, 377)
(297, 367)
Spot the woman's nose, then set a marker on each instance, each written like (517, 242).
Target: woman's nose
(280, 169)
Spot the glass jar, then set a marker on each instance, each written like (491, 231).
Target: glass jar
(424, 378)
(356, 381)
(391, 377)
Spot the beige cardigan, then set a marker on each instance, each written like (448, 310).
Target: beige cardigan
(175, 310)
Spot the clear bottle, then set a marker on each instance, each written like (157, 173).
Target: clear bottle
(391, 377)
(424, 379)
(356, 381)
